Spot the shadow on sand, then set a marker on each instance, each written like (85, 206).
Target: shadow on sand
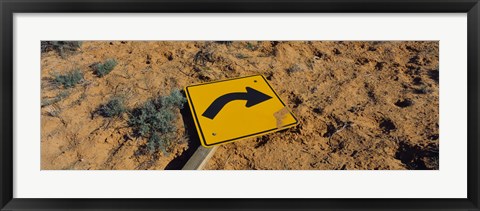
(193, 140)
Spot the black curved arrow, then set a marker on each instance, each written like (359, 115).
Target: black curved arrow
(252, 96)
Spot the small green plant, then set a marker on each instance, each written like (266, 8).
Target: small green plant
(102, 69)
(62, 47)
(114, 107)
(62, 95)
(69, 79)
(251, 47)
(203, 56)
(227, 43)
(174, 100)
(294, 68)
(154, 120)
(241, 56)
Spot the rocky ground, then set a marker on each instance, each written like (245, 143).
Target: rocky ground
(361, 105)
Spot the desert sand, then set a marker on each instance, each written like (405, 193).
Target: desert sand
(360, 105)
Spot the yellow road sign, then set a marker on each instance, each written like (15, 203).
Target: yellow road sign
(234, 109)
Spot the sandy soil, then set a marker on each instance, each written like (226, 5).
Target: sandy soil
(361, 105)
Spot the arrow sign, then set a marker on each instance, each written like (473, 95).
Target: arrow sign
(252, 96)
(256, 109)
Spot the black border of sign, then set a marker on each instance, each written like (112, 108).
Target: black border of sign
(233, 139)
(9, 7)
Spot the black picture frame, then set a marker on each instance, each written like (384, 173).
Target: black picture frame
(9, 7)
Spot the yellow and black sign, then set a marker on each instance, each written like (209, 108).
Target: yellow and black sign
(234, 109)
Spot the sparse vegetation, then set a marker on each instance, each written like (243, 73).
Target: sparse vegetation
(251, 47)
(227, 43)
(203, 56)
(102, 69)
(49, 101)
(359, 105)
(154, 120)
(69, 79)
(62, 47)
(422, 90)
(241, 56)
(294, 68)
(114, 107)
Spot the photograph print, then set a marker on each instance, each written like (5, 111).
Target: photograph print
(250, 105)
